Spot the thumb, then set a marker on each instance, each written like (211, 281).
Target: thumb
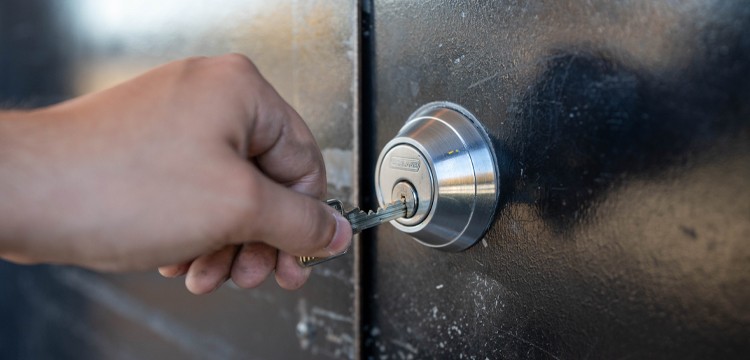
(295, 223)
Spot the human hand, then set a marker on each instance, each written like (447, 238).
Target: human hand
(198, 163)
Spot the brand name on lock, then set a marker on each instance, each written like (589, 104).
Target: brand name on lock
(407, 164)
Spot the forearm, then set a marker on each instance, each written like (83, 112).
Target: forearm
(17, 158)
(40, 178)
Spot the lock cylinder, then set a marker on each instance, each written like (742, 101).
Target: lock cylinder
(442, 164)
(405, 191)
(407, 173)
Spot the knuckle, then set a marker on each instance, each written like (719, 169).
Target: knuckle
(194, 60)
(229, 69)
(188, 66)
(237, 64)
(238, 75)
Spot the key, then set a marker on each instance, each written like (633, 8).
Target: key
(359, 220)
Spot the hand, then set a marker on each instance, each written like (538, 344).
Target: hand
(198, 163)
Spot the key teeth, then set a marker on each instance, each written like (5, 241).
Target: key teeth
(383, 209)
(358, 217)
(356, 212)
(359, 212)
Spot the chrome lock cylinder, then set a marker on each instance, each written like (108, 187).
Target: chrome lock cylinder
(443, 165)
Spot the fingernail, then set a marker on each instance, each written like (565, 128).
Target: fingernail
(342, 237)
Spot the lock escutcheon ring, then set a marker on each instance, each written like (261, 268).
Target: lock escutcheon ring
(448, 158)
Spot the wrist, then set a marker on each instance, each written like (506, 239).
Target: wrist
(19, 158)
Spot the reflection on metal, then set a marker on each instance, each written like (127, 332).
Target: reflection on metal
(443, 156)
(399, 163)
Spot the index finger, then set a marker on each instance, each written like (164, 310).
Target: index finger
(280, 142)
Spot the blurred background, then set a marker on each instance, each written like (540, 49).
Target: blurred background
(55, 50)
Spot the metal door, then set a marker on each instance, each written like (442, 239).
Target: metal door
(622, 131)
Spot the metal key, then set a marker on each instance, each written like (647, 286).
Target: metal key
(359, 220)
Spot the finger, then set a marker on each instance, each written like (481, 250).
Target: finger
(253, 263)
(294, 159)
(176, 270)
(295, 223)
(207, 272)
(289, 275)
(278, 139)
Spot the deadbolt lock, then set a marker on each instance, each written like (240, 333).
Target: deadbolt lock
(443, 165)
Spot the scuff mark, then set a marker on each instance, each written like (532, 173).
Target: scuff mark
(414, 88)
(406, 346)
(305, 329)
(454, 329)
(531, 343)
(202, 345)
(316, 323)
(316, 311)
(53, 312)
(513, 69)
(339, 275)
(482, 81)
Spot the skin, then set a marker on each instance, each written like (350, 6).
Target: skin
(197, 167)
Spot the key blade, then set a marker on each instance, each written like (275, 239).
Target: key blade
(361, 220)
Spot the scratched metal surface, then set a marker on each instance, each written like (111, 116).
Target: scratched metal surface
(624, 135)
(54, 50)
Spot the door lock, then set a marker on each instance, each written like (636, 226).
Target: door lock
(442, 164)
